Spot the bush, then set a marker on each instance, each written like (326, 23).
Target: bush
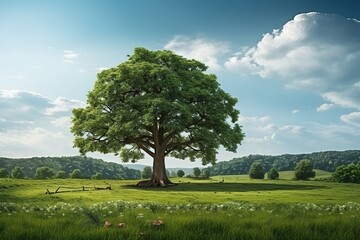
(96, 176)
(4, 173)
(60, 174)
(76, 173)
(304, 170)
(17, 173)
(44, 173)
(146, 173)
(257, 171)
(273, 174)
(206, 173)
(196, 172)
(180, 173)
(347, 173)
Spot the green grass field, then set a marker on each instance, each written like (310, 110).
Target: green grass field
(239, 208)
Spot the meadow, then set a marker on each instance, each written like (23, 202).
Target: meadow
(239, 208)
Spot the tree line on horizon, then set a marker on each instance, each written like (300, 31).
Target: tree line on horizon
(66, 167)
(327, 161)
(85, 167)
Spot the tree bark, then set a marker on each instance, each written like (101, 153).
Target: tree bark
(159, 177)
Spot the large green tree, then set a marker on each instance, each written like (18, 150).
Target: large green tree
(160, 104)
(146, 173)
(304, 170)
(347, 173)
(196, 172)
(257, 171)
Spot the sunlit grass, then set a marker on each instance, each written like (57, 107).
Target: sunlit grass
(190, 221)
(239, 208)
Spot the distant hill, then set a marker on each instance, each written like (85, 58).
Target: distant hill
(327, 161)
(135, 166)
(88, 166)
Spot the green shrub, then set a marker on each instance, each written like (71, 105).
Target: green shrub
(304, 170)
(257, 171)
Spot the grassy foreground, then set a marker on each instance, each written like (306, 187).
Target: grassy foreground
(239, 208)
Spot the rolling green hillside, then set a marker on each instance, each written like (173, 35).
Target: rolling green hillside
(327, 161)
(88, 166)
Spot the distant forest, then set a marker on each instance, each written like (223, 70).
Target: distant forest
(87, 166)
(327, 161)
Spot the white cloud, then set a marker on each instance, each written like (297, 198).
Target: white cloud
(69, 56)
(314, 51)
(325, 107)
(267, 128)
(62, 105)
(293, 129)
(262, 140)
(34, 125)
(246, 119)
(352, 118)
(34, 142)
(295, 111)
(201, 49)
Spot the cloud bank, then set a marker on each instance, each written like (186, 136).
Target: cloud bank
(314, 51)
(35, 125)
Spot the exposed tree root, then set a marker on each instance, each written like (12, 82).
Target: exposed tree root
(155, 183)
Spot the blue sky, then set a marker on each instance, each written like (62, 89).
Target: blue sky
(293, 65)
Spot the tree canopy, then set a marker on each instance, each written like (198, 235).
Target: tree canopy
(88, 167)
(17, 173)
(273, 174)
(180, 173)
(347, 173)
(4, 173)
(196, 172)
(44, 173)
(304, 170)
(160, 104)
(256, 171)
(146, 173)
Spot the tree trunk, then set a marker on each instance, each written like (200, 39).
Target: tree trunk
(159, 178)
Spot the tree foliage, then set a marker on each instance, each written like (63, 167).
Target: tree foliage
(17, 172)
(76, 173)
(347, 173)
(256, 171)
(4, 173)
(88, 166)
(180, 173)
(304, 170)
(196, 172)
(205, 172)
(273, 174)
(160, 104)
(97, 176)
(60, 174)
(327, 161)
(146, 173)
(44, 173)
